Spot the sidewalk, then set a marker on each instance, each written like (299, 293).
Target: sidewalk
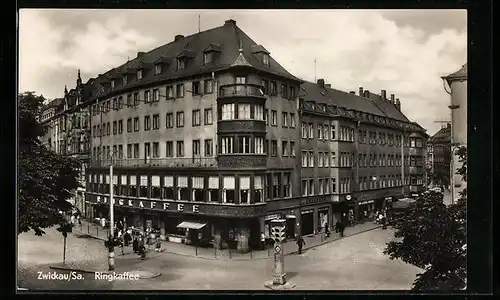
(290, 247)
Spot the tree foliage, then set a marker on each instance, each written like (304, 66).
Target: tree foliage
(46, 179)
(432, 236)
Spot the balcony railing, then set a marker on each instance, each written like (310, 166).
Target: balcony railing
(172, 162)
(241, 90)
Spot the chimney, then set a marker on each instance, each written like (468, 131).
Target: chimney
(139, 54)
(367, 94)
(361, 91)
(352, 92)
(383, 93)
(392, 99)
(321, 83)
(230, 22)
(328, 85)
(178, 37)
(398, 104)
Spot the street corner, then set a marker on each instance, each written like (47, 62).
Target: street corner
(279, 287)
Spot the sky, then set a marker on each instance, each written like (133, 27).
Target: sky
(402, 51)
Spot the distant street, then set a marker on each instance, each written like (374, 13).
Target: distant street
(352, 263)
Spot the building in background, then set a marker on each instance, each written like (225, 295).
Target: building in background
(455, 84)
(439, 157)
(211, 139)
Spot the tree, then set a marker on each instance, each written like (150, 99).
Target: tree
(432, 236)
(46, 179)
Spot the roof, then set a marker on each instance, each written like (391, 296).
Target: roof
(442, 136)
(226, 39)
(460, 74)
(54, 103)
(373, 105)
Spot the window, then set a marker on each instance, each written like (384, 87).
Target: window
(287, 186)
(136, 150)
(213, 189)
(120, 102)
(168, 188)
(266, 116)
(180, 91)
(305, 159)
(320, 131)
(208, 116)
(147, 151)
(303, 128)
(198, 185)
(258, 189)
(129, 150)
(170, 120)
(284, 119)
(196, 88)
(320, 186)
(209, 86)
(129, 100)
(169, 149)
(124, 79)
(115, 104)
(147, 96)
(311, 187)
(182, 188)
(226, 145)
(136, 99)
(245, 189)
(227, 111)
(259, 145)
(180, 148)
(284, 91)
(207, 58)
(170, 92)
(292, 120)
(113, 84)
(265, 86)
(243, 111)
(209, 145)
(276, 185)
(274, 88)
(333, 162)
(274, 118)
(332, 129)
(147, 123)
(115, 127)
(265, 59)
(180, 119)
(311, 159)
(181, 64)
(156, 122)
(243, 144)
(292, 149)
(284, 148)
(139, 74)
(274, 147)
(228, 195)
(196, 148)
(196, 118)
(157, 69)
(292, 92)
(155, 187)
(321, 159)
(156, 95)
(136, 124)
(132, 188)
(156, 149)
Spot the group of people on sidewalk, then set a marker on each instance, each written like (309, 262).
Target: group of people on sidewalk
(141, 241)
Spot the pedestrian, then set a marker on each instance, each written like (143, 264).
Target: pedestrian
(126, 238)
(341, 229)
(327, 230)
(79, 221)
(262, 241)
(73, 219)
(135, 245)
(384, 222)
(158, 244)
(300, 243)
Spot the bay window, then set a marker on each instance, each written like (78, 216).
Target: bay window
(258, 113)
(198, 185)
(155, 187)
(227, 146)
(258, 189)
(213, 189)
(243, 144)
(168, 188)
(228, 195)
(182, 188)
(259, 145)
(245, 189)
(132, 188)
(244, 111)
(227, 112)
(143, 192)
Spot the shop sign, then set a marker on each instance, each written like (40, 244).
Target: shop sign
(314, 200)
(196, 208)
(271, 217)
(366, 202)
(306, 211)
(180, 207)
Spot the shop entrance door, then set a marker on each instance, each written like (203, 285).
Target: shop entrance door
(307, 223)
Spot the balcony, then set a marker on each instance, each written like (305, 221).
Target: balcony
(225, 126)
(171, 162)
(241, 90)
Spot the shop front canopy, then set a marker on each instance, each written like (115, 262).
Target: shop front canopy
(191, 225)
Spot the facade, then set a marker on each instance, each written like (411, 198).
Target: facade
(439, 157)
(457, 83)
(210, 139)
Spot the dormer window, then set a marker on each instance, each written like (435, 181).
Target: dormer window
(157, 69)
(125, 78)
(208, 58)
(139, 74)
(113, 83)
(265, 59)
(181, 64)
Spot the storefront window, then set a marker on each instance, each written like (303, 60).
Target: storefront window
(143, 192)
(213, 189)
(168, 188)
(198, 189)
(228, 194)
(182, 188)
(245, 189)
(155, 187)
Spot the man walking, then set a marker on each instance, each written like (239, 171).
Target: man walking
(341, 227)
(262, 241)
(300, 243)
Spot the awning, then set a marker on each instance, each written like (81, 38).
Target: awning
(191, 225)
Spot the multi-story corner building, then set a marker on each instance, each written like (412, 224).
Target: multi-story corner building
(67, 130)
(439, 156)
(211, 139)
(457, 83)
